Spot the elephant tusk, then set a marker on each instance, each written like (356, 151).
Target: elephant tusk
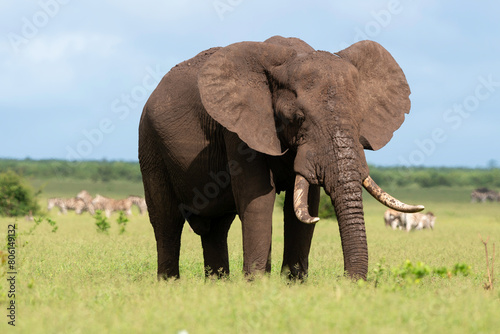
(300, 201)
(387, 199)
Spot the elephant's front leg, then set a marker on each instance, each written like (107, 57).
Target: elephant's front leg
(254, 195)
(298, 236)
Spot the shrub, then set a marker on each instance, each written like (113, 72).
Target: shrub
(326, 209)
(122, 221)
(101, 222)
(16, 197)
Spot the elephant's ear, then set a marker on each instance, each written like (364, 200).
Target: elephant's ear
(234, 89)
(383, 92)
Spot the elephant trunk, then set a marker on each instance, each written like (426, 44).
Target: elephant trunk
(343, 184)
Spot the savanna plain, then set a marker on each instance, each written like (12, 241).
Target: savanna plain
(77, 280)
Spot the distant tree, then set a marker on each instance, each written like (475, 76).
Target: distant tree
(16, 197)
(105, 172)
(492, 164)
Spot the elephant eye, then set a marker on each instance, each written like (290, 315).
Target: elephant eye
(298, 117)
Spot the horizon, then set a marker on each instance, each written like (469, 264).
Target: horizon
(492, 164)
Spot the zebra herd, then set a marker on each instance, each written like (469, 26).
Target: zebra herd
(418, 221)
(409, 221)
(83, 201)
(484, 194)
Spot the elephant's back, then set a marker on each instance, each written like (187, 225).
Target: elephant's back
(177, 94)
(189, 141)
(175, 112)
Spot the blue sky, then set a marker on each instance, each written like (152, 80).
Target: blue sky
(75, 75)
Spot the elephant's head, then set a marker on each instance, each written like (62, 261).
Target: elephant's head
(282, 94)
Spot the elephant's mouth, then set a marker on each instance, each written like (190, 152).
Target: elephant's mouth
(301, 191)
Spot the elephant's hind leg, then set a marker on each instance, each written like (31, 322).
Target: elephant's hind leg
(166, 219)
(215, 252)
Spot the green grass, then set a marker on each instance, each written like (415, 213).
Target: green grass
(80, 281)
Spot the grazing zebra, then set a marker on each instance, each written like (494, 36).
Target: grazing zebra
(391, 218)
(66, 204)
(109, 205)
(140, 202)
(419, 221)
(409, 221)
(87, 198)
(484, 194)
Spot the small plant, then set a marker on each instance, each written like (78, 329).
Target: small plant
(101, 222)
(412, 273)
(489, 285)
(53, 224)
(461, 268)
(38, 221)
(443, 272)
(122, 221)
(379, 272)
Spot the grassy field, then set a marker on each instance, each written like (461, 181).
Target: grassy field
(79, 281)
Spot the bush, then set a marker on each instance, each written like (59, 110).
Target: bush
(122, 221)
(16, 197)
(101, 222)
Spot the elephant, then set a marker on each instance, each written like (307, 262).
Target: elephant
(227, 130)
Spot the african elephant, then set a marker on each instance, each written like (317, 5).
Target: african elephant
(228, 129)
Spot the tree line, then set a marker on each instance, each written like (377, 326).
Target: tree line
(427, 177)
(96, 171)
(105, 171)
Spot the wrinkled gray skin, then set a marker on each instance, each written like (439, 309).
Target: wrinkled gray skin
(226, 130)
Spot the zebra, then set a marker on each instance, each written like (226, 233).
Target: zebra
(87, 198)
(66, 204)
(140, 202)
(109, 205)
(391, 218)
(484, 194)
(409, 221)
(419, 221)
